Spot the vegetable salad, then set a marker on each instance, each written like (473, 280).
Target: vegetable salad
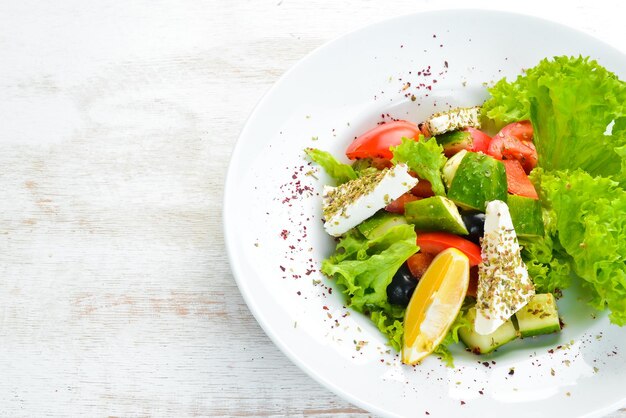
(442, 216)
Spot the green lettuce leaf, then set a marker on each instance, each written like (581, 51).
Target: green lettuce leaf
(619, 131)
(340, 173)
(591, 229)
(364, 268)
(508, 102)
(425, 158)
(547, 264)
(570, 109)
(570, 102)
(393, 328)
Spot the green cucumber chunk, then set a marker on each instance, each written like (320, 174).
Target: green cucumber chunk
(449, 169)
(539, 316)
(453, 142)
(435, 213)
(526, 216)
(380, 223)
(479, 179)
(483, 344)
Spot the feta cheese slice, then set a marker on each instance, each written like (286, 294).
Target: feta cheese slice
(504, 286)
(453, 120)
(351, 203)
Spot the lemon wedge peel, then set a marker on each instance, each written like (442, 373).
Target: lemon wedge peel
(435, 304)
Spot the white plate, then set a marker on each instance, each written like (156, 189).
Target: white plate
(272, 220)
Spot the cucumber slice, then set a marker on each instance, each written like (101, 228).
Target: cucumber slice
(449, 169)
(526, 216)
(479, 179)
(539, 316)
(454, 142)
(483, 344)
(435, 213)
(380, 223)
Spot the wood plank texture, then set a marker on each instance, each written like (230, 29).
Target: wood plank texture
(117, 121)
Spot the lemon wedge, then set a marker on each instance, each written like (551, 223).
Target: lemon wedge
(435, 304)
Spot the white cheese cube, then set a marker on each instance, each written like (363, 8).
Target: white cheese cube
(504, 286)
(351, 203)
(453, 120)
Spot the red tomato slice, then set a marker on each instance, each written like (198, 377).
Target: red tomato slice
(423, 189)
(397, 206)
(418, 263)
(424, 130)
(517, 181)
(480, 140)
(508, 147)
(522, 130)
(381, 163)
(473, 281)
(436, 242)
(375, 143)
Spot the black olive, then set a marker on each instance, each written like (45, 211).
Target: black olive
(475, 224)
(401, 288)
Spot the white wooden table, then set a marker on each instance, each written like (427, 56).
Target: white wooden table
(117, 120)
